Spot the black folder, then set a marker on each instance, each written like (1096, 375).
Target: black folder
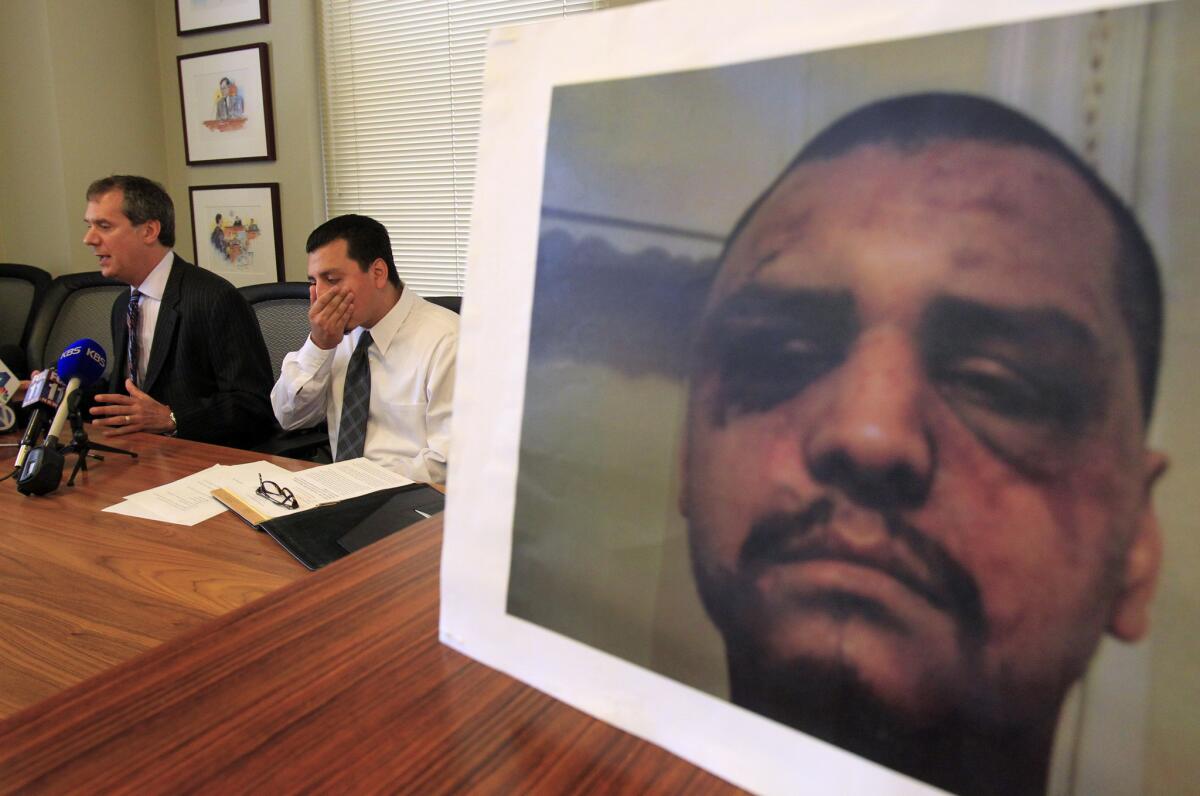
(314, 537)
(400, 511)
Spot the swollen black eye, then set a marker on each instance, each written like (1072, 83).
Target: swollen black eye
(764, 346)
(1017, 371)
(1004, 390)
(994, 385)
(760, 370)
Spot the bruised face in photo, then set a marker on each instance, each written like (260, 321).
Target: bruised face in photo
(914, 457)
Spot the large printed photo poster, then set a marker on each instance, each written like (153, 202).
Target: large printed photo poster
(843, 444)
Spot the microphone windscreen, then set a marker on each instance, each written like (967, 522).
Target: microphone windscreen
(83, 359)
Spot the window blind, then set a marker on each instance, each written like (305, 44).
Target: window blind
(401, 91)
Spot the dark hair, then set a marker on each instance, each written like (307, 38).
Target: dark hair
(144, 200)
(910, 123)
(366, 241)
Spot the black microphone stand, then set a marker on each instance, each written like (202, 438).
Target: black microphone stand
(80, 445)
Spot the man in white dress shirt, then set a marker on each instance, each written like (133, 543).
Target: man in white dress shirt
(378, 364)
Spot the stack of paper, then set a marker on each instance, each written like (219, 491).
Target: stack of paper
(190, 500)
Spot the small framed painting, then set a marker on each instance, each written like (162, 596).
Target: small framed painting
(236, 231)
(225, 97)
(205, 16)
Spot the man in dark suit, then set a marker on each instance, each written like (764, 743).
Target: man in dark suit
(189, 358)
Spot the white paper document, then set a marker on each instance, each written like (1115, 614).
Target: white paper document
(133, 508)
(186, 501)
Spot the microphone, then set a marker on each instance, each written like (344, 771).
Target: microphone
(80, 365)
(44, 394)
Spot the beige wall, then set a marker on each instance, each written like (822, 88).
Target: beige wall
(291, 38)
(32, 204)
(79, 99)
(91, 88)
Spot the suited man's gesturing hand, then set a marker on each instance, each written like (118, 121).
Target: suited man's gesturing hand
(329, 314)
(127, 414)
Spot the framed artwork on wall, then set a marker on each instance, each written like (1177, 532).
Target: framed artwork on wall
(205, 16)
(236, 231)
(225, 98)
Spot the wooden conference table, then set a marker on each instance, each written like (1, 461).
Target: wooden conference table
(82, 590)
(333, 682)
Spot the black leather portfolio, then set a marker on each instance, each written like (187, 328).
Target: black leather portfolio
(400, 511)
(319, 536)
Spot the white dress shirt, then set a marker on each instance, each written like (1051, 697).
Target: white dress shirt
(152, 289)
(411, 356)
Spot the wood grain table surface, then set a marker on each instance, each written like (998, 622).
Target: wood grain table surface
(82, 590)
(336, 683)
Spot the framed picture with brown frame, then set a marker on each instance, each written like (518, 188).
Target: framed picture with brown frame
(236, 231)
(225, 99)
(205, 16)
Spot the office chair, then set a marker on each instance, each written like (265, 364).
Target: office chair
(452, 303)
(282, 312)
(74, 306)
(22, 288)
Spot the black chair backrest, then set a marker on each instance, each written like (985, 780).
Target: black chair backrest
(282, 312)
(75, 306)
(22, 288)
(452, 303)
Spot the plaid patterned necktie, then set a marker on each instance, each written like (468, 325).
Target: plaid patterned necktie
(356, 399)
(132, 326)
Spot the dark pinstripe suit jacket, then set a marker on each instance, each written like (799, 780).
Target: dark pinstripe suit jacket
(208, 361)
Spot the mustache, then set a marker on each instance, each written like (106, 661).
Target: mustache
(805, 536)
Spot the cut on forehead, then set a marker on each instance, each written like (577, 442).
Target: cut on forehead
(1012, 183)
(950, 195)
(911, 123)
